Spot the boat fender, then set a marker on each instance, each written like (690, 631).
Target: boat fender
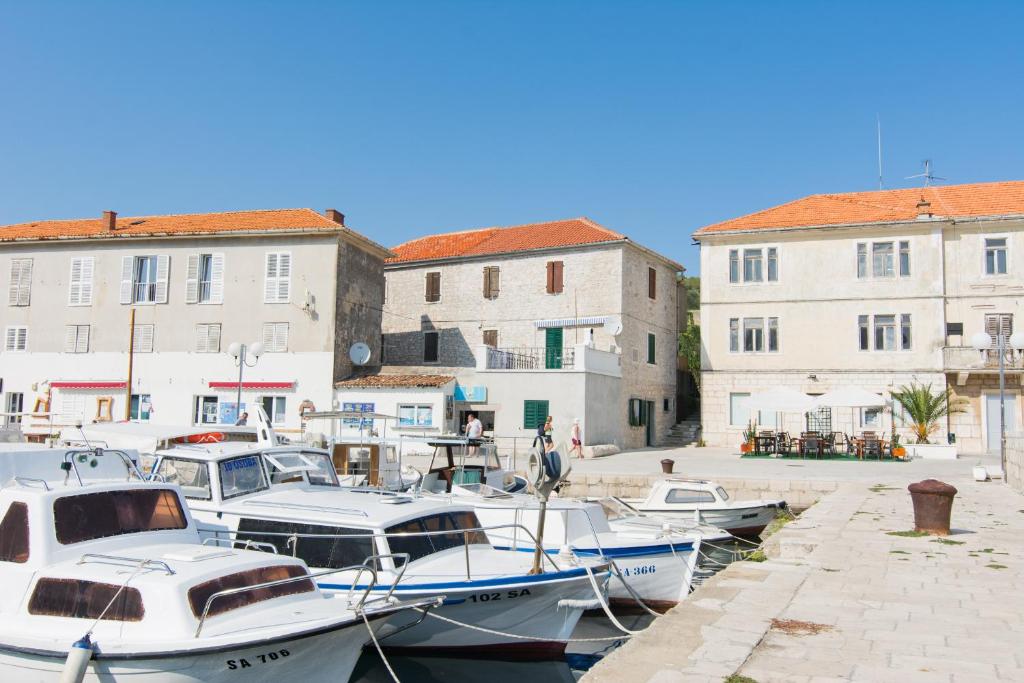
(565, 553)
(77, 662)
(568, 603)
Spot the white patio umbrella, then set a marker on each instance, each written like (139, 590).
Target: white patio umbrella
(781, 400)
(850, 397)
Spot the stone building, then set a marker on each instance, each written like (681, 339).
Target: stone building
(566, 318)
(300, 283)
(876, 289)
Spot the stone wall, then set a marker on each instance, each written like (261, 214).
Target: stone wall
(359, 296)
(969, 426)
(1015, 461)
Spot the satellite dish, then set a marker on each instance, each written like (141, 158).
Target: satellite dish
(614, 325)
(359, 353)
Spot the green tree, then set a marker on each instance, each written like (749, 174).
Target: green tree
(925, 407)
(689, 349)
(692, 285)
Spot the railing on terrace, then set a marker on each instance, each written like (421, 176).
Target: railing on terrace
(530, 358)
(969, 358)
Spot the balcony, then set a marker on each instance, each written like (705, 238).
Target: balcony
(578, 358)
(968, 359)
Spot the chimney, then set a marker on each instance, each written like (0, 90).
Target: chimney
(335, 215)
(924, 209)
(110, 220)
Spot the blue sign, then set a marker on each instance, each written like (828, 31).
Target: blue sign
(470, 394)
(359, 408)
(227, 412)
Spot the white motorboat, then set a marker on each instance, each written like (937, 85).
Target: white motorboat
(289, 497)
(458, 461)
(652, 564)
(105, 579)
(706, 502)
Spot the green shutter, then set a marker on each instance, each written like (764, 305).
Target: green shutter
(534, 414)
(553, 348)
(650, 349)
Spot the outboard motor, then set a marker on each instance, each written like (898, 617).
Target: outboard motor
(546, 472)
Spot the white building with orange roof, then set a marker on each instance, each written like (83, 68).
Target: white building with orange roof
(563, 318)
(298, 282)
(871, 289)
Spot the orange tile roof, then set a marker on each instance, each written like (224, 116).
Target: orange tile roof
(182, 224)
(884, 206)
(395, 381)
(505, 240)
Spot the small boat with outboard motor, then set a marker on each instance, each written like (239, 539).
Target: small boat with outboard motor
(105, 579)
(497, 604)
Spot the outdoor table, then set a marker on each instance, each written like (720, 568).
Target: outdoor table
(765, 444)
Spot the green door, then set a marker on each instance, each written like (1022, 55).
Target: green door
(553, 348)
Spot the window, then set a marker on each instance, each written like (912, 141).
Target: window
(881, 259)
(79, 599)
(193, 477)
(904, 259)
(773, 264)
(555, 277)
(275, 337)
(16, 338)
(753, 334)
(140, 407)
(491, 338)
(19, 292)
(14, 402)
(204, 278)
(773, 334)
(433, 288)
(666, 404)
(862, 260)
(76, 339)
(535, 413)
(415, 416)
(274, 407)
(199, 595)
(208, 338)
(734, 265)
(684, 496)
(142, 340)
(241, 476)
(14, 538)
(430, 347)
(739, 409)
(905, 331)
(424, 545)
(72, 407)
(862, 324)
(652, 283)
(870, 417)
(277, 285)
(651, 350)
(144, 279)
(492, 280)
(321, 553)
(637, 412)
(734, 335)
(206, 410)
(88, 516)
(752, 265)
(995, 256)
(885, 333)
(80, 281)
(289, 467)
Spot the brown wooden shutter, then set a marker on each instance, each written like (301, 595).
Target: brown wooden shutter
(491, 282)
(555, 271)
(652, 283)
(491, 338)
(433, 292)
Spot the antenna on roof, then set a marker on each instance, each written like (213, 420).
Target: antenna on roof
(927, 175)
(878, 121)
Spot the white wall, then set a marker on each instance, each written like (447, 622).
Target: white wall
(387, 402)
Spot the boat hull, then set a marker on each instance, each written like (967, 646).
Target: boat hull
(739, 521)
(328, 655)
(661, 579)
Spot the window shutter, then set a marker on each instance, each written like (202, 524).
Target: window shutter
(143, 339)
(217, 279)
(163, 267)
(652, 283)
(555, 269)
(75, 284)
(651, 355)
(433, 287)
(127, 266)
(281, 337)
(491, 282)
(12, 290)
(551, 278)
(559, 267)
(487, 282)
(19, 292)
(284, 271)
(70, 338)
(213, 338)
(270, 282)
(491, 338)
(192, 279)
(202, 335)
(85, 291)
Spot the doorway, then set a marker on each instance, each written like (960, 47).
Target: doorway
(649, 423)
(992, 436)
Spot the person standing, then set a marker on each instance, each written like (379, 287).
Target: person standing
(577, 439)
(474, 430)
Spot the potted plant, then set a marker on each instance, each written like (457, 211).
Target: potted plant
(748, 437)
(898, 451)
(924, 408)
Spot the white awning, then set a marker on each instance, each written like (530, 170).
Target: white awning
(588, 321)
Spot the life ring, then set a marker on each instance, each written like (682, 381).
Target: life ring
(205, 437)
(306, 407)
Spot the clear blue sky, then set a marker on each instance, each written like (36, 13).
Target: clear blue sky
(653, 118)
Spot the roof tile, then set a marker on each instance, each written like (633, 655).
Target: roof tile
(385, 381)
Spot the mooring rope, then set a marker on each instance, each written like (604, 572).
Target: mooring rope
(373, 637)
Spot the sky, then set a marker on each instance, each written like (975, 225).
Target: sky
(652, 118)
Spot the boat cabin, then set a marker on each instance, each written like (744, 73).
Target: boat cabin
(462, 461)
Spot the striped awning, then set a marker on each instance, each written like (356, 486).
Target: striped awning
(588, 321)
(253, 385)
(88, 384)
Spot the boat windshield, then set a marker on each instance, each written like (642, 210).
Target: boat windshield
(722, 494)
(410, 537)
(288, 467)
(89, 516)
(198, 595)
(484, 491)
(240, 476)
(615, 509)
(79, 599)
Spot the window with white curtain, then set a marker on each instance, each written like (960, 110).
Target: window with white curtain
(739, 409)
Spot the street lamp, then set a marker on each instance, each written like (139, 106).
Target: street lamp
(240, 353)
(983, 341)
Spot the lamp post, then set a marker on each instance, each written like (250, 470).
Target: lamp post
(241, 352)
(983, 341)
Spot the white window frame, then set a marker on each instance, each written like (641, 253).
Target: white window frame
(199, 402)
(11, 339)
(416, 408)
(142, 338)
(149, 414)
(76, 339)
(741, 337)
(872, 323)
(869, 250)
(734, 334)
(277, 288)
(14, 402)
(877, 412)
(741, 270)
(275, 337)
(196, 287)
(984, 255)
(760, 260)
(19, 290)
(753, 339)
(732, 421)
(206, 341)
(733, 259)
(130, 283)
(80, 288)
(278, 408)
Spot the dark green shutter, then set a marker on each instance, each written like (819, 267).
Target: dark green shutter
(650, 349)
(534, 414)
(553, 348)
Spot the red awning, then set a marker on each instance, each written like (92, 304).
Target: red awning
(253, 385)
(89, 384)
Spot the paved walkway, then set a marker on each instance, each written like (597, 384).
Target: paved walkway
(844, 600)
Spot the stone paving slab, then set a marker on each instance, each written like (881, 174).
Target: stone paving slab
(884, 607)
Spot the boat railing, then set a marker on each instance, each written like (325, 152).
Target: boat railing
(294, 538)
(310, 508)
(358, 568)
(136, 562)
(70, 461)
(243, 544)
(30, 481)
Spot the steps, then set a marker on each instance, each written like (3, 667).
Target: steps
(684, 433)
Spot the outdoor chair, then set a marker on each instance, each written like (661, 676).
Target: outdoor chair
(812, 445)
(851, 445)
(872, 447)
(785, 444)
(828, 444)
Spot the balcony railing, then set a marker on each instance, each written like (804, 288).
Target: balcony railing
(969, 358)
(530, 358)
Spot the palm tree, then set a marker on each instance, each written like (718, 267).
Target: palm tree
(924, 407)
